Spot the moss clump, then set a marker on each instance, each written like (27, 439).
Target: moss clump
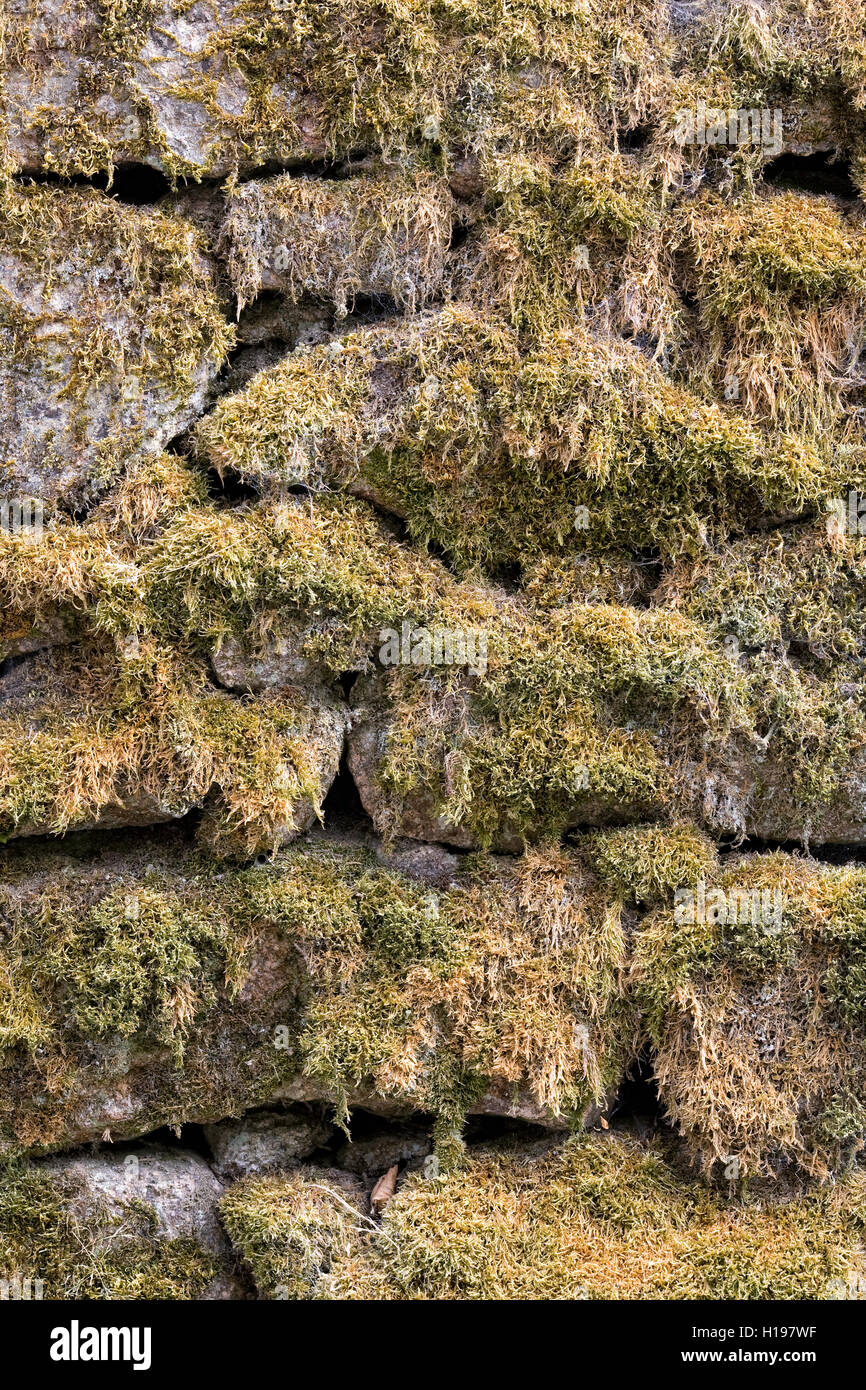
(145, 958)
(126, 968)
(496, 454)
(788, 609)
(143, 961)
(752, 996)
(648, 862)
(290, 1230)
(382, 236)
(96, 733)
(509, 979)
(780, 283)
(582, 709)
(95, 1251)
(600, 1218)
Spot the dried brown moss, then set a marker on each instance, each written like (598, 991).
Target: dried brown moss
(755, 1008)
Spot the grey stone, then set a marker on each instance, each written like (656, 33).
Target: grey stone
(262, 1141)
(177, 1185)
(172, 89)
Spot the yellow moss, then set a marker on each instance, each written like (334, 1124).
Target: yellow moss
(96, 730)
(648, 862)
(495, 454)
(780, 284)
(600, 1218)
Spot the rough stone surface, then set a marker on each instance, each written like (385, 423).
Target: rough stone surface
(111, 334)
(278, 663)
(369, 1158)
(177, 1185)
(262, 1141)
(168, 92)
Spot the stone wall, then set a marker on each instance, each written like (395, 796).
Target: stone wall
(432, 710)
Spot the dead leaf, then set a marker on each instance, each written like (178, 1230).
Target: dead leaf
(384, 1190)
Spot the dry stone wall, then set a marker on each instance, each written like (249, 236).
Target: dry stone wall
(432, 709)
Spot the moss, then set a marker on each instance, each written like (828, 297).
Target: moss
(584, 705)
(640, 689)
(375, 236)
(97, 1253)
(647, 863)
(788, 609)
(496, 455)
(95, 729)
(754, 1005)
(780, 285)
(142, 962)
(600, 1218)
(588, 698)
(404, 994)
(291, 1229)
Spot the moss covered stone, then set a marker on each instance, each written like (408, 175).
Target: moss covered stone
(381, 236)
(497, 455)
(111, 331)
(90, 735)
(498, 991)
(751, 993)
(601, 1218)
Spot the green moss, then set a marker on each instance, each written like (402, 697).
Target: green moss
(100, 1253)
(289, 1230)
(142, 961)
(583, 701)
(648, 862)
(498, 455)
